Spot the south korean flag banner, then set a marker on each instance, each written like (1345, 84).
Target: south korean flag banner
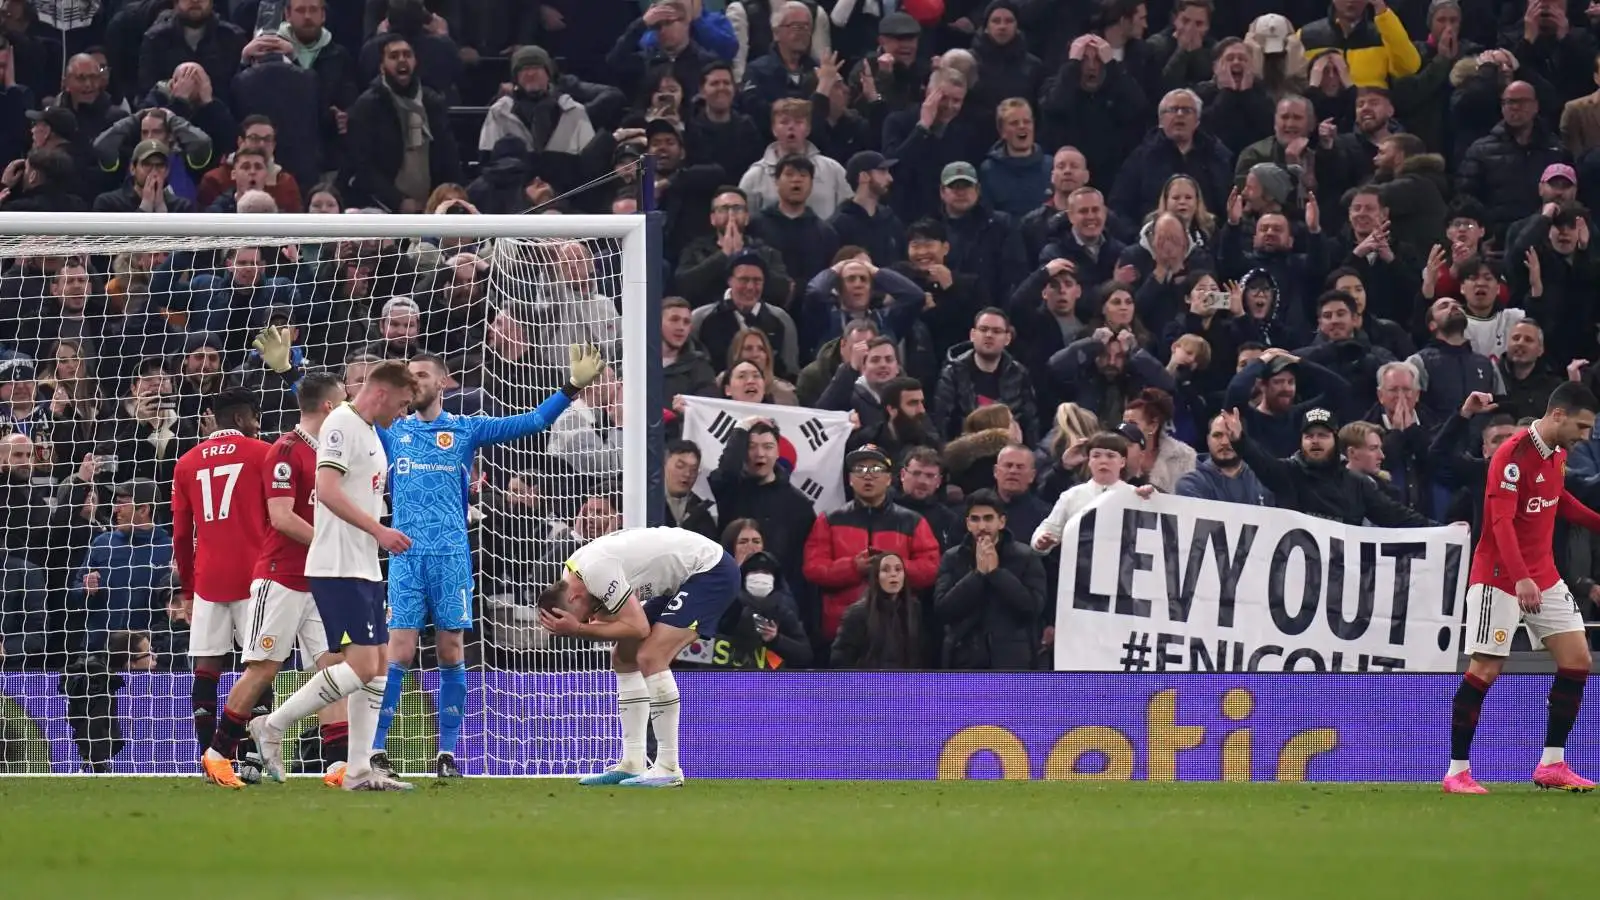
(813, 438)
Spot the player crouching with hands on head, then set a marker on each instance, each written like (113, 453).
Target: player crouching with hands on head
(1514, 581)
(1107, 454)
(650, 590)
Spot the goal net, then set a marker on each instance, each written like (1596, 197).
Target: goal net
(115, 329)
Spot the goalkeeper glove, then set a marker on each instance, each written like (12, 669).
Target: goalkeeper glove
(587, 364)
(273, 345)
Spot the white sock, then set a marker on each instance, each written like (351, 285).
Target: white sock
(633, 706)
(364, 707)
(664, 707)
(1457, 766)
(1553, 755)
(324, 687)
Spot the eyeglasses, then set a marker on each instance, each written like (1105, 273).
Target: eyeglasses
(869, 470)
(1178, 110)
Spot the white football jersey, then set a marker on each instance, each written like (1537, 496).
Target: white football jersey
(644, 562)
(350, 445)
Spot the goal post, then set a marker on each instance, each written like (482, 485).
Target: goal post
(120, 367)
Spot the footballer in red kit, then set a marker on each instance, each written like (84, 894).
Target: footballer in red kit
(283, 614)
(219, 515)
(1514, 582)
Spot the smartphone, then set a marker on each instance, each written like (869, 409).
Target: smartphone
(1216, 300)
(167, 402)
(761, 621)
(269, 16)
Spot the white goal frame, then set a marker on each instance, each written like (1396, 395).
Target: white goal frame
(629, 230)
(24, 235)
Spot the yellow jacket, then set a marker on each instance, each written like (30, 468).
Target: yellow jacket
(1376, 50)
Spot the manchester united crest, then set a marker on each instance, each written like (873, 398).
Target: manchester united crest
(445, 439)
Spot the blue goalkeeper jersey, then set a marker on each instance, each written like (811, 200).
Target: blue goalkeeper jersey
(430, 464)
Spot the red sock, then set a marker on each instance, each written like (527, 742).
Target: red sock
(335, 742)
(230, 731)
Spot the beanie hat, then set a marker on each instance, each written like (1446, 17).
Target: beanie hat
(532, 55)
(1275, 182)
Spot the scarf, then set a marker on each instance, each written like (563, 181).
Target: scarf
(413, 115)
(539, 112)
(305, 55)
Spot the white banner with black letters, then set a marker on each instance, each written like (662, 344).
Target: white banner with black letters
(1174, 584)
(816, 436)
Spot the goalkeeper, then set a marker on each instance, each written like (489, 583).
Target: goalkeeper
(430, 458)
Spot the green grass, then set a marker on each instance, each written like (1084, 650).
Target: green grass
(180, 838)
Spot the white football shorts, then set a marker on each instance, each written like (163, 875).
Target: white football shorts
(280, 619)
(1493, 616)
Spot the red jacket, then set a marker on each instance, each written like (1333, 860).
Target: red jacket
(837, 537)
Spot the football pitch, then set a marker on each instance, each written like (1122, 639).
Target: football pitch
(180, 838)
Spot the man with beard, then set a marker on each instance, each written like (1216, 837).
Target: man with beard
(1221, 475)
(1105, 370)
(1527, 378)
(432, 581)
(990, 592)
(983, 373)
(749, 484)
(1553, 270)
(1449, 368)
(858, 383)
(399, 142)
(1275, 417)
(1414, 185)
(866, 220)
(202, 375)
(1347, 160)
(1315, 481)
(983, 242)
(901, 418)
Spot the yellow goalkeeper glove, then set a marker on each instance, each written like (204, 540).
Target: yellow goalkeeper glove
(273, 345)
(587, 364)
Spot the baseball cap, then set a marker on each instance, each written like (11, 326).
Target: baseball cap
(142, 491)
(1318, 418)
(899, 24)
(60, 119)
(761, 561)
(1131, 433)
(1558, 170)
(865, 161)
(661, 126)
(866, 453)
(957, 172)
(147, 149)
(1271, 32)
(1277, 364)
(747, 257)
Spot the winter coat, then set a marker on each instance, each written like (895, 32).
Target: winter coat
(837, 537)
(570, 133)
(1504, 174)
(376, 147)
(1416, 198)
(1207, 482)
(1014, 185)
(1280, 435)
(956, 397)
(1447, 373)
(166, 46)
(1376, 50)
(133, 567)
(1080, 381)
(881, 234)
(991, 621)
(1327, 490)
(1157, 159)
(984, 243)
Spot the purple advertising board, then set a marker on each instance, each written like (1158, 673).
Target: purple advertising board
(1261, 727)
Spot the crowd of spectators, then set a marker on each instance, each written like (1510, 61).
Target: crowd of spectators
(1322, 256)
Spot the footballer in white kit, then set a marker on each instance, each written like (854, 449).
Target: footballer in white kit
(651, 590)
(345, 574)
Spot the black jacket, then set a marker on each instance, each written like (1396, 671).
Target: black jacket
(881, 234)
(784, 512)
(956, 395)
(165, 47)
(806, 243)
(1504, 174)
(1105, 124)
(985, 243)
(702, 276)
(1146, 171)
(376, 147)
(1327, 490)
(991, 621)
(1449, 373)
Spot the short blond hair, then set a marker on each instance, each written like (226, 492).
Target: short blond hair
(792, 108)
(1197, 345)
(1010, 105)
(1355, 435)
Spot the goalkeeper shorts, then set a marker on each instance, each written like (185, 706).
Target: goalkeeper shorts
(430, 588)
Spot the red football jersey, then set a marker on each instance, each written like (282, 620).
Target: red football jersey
(1522, 496)
(219, 515)
(292, 473)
